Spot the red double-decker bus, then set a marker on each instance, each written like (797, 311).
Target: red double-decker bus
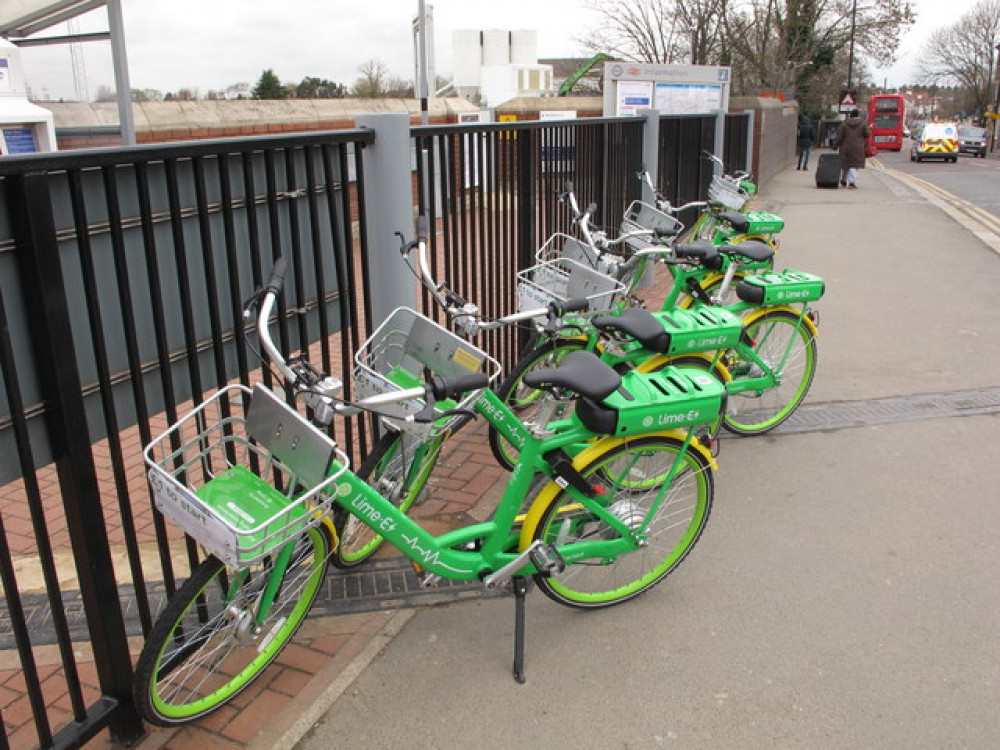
(886, 117)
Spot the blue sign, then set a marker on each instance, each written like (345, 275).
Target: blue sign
(20, 140)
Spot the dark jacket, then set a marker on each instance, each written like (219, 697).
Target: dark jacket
(807, 132)
(850, 141)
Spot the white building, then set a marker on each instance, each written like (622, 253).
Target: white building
(498, 65)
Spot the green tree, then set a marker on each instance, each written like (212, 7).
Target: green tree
(269, 87)
(319, 88)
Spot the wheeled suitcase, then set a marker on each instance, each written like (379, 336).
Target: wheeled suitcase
(828, 171)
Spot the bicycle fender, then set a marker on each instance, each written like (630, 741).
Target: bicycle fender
(750, 317)
(766, 239)
(544, 498)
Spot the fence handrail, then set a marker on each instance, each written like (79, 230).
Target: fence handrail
(493, 127)
(112, 156)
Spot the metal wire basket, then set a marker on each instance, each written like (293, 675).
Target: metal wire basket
(399, 354)
(243, 474)
(641, 216)
(563, 279)
(727, 192)
(564, 246)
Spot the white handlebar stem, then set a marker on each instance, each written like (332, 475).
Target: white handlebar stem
(425, 274)
(267, 344)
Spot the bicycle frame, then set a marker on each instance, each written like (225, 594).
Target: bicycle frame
(496, 543)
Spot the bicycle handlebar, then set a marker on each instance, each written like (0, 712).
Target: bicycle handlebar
(319, 392)
(277, 280)
(468, 318)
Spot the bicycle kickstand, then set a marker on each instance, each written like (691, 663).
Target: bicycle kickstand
(520, 585)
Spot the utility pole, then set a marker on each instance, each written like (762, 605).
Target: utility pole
(850, 57)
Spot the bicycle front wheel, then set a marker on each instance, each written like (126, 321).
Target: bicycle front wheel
(207, 645)
(632, 474)
(787, 347)
(397, 467)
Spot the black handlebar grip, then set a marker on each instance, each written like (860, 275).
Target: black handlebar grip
(577, 304)
(568, 186)
(423, 227)
(448, 387)
(592, 209)
(277, 279)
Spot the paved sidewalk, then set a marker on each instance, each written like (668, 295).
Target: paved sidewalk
(843, 594)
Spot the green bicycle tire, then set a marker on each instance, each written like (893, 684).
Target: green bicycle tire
(779, 335)
(388, 468)
(679, 523)
(520, 398)
(202, 650)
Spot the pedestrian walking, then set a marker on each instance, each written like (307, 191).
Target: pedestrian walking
(807, 136)
(852, 135)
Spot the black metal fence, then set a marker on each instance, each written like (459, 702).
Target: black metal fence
(121, 292)
(122, 278)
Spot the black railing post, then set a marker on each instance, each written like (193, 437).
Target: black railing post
(527, 198)
(56, 365)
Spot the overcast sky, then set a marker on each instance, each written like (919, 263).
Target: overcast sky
(209, 44)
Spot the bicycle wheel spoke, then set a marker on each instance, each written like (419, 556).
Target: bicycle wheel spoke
(668, 525)
(193, 664)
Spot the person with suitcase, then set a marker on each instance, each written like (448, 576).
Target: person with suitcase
(852, 135)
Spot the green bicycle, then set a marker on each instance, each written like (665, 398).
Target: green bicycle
(628, 495)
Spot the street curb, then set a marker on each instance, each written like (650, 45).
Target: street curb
(990, 238)
(334, 678)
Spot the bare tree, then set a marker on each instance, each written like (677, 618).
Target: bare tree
(642, 30)
(375, 81)
(965, 54)
(799, 45)
(806, 45)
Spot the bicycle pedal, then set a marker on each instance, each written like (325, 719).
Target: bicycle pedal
(547, 560)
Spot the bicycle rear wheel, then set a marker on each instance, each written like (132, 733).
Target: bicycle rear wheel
(632, 473)
(206, 646)
(397, 467)
(786, 345)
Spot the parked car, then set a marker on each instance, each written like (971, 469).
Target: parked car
(972, 140)
(936, 140)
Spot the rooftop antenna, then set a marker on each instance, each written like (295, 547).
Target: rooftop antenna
(79, 66)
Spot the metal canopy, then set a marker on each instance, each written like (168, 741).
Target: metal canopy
(21, 18)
